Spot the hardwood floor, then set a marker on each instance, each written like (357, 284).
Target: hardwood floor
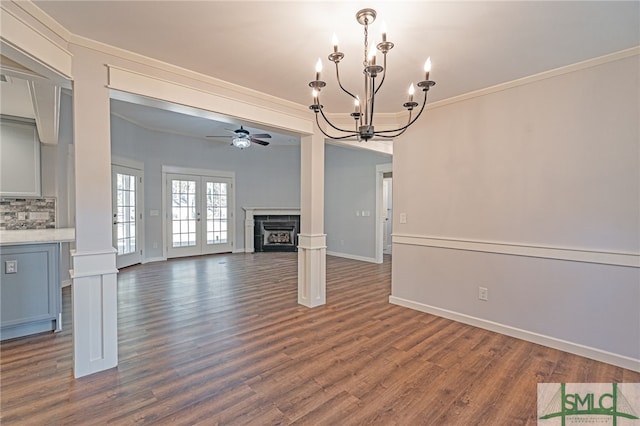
(221, 340)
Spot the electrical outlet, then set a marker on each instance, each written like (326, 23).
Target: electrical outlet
(483, 293)
(11, 267)
(403, 218)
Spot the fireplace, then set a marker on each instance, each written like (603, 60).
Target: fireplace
(276, 232)
(283, 226)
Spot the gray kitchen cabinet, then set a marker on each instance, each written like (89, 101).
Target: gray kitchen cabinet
(30, 294)
(19, 158)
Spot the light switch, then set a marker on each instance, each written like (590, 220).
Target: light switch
(11, 267)
(403, 218)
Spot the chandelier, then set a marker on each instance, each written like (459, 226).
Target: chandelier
(363, 114)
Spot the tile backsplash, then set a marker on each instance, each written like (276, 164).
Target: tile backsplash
(27, 213)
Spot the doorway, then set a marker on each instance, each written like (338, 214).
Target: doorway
(199, 214)
(384, 210)
(387, 211)
(127, 190)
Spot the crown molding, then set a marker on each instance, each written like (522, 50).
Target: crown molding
(41, 54)
(154, 129)
(589, 63)
(183, 72)
(38, 14)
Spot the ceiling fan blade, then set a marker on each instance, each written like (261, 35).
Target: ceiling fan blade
(262, 136)
(259, 142)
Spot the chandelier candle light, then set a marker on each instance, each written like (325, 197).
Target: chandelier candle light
(364, 129)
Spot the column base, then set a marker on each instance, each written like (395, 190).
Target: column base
(312, 266)
(95, 307)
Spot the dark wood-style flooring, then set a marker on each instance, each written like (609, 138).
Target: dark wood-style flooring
(221, 340)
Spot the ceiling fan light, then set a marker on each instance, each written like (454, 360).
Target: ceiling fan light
(241, 143)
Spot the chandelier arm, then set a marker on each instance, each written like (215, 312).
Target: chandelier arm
(424, 102)
(400, 132)
(377, 135)
(334, 137)
(342, 87)
(384, 74)
(331, 124)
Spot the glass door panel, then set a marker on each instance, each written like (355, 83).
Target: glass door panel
(183, 213)
(200, 215)
(127, 215)
(184, 216)
(218, 230)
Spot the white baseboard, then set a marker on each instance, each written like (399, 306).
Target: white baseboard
(352, 257)
(239, 250)
(552, 342)
(153, 259)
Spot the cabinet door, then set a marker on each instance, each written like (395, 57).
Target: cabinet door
(19, 159)
(29, 290)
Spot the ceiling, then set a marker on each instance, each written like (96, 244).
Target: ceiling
(272, 46)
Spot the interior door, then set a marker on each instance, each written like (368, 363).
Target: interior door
(127, 215)
(387, 200)
(200, 218)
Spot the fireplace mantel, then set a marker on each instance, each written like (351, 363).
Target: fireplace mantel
(249, 223)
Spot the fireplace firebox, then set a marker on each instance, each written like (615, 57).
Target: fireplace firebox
(276, 232)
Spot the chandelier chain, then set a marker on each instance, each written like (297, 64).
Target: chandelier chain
(366, 41)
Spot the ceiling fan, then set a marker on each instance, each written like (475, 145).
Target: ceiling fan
(242, 138)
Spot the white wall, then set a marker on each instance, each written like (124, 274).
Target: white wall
(350, 187)
(57, 180)
(265, 176)
(551, 163)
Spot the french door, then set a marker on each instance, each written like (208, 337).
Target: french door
(200, 215)
(126, 184)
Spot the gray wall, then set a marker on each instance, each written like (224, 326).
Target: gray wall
(265, 176)
(550, 164)
(350, 187)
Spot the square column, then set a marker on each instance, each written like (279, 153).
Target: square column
(312, 247)
(94, 286)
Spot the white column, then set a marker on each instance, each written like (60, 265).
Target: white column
(249, 223)
(94, 295)
(312, 247)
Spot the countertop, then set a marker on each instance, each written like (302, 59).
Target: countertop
(37, 236)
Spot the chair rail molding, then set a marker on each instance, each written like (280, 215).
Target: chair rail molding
(528, 250)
